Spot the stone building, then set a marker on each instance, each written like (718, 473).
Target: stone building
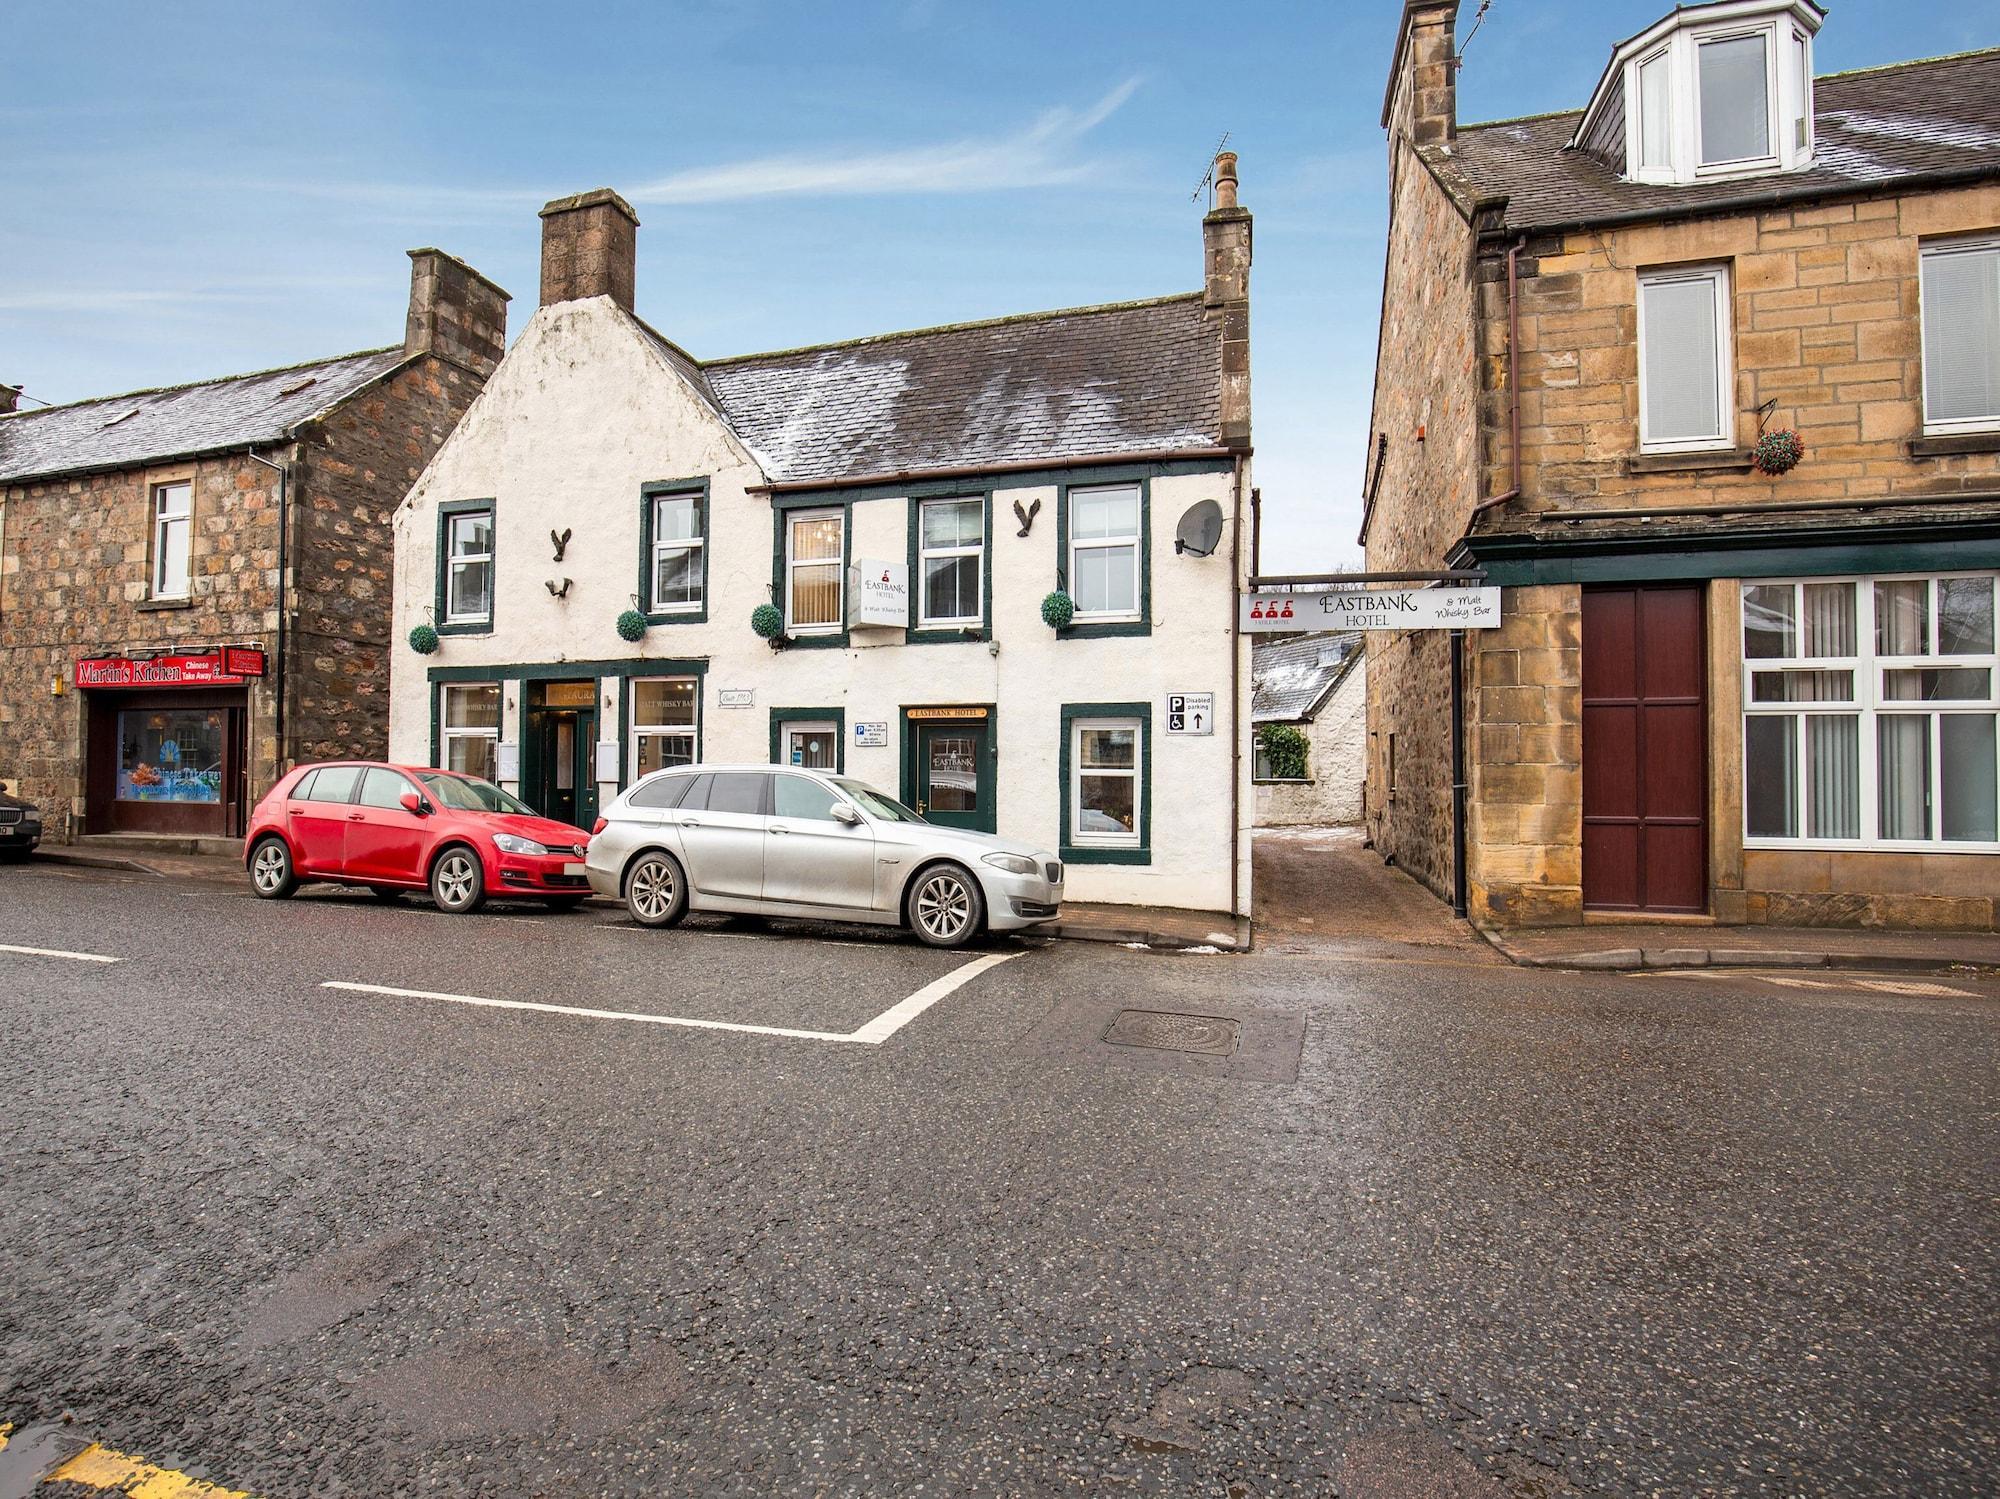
(194, 581)
(839, 557)
(1722, 689)
(1318, 686)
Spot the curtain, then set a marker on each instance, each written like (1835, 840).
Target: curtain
(1829, 619)
(1903, 742)
(1902, 618)
(1683, 402)
(1833, 777)
(1965, 750)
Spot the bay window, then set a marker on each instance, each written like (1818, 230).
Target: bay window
(1960, 289)
(1870, 712)
(1735, 90)
(666, 713)
(469, 728)
(815, 572)
(1686, 373)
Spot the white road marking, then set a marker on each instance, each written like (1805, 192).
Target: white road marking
(874, 1033)
(57, 952)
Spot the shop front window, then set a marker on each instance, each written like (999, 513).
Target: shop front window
(665, 716)
(471, 729)
(170, 755)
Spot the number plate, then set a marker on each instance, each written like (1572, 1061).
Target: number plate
(573, 869)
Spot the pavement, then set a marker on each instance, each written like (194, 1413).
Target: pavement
(330, 1197)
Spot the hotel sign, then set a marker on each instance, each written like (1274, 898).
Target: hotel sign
(157, 671)
(1371, 609)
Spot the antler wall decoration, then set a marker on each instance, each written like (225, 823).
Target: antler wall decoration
(555, 592)
(1027, 516)
(561, 543)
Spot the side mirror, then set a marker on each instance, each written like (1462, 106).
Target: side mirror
(414, 804)
(842, 813)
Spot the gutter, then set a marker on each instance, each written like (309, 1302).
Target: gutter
(1016, 466)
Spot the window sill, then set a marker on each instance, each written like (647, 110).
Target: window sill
(1105, 630)
(797, 642)
(148, 606)
(1714, 460)
(1073, 855)
(1837, 846)
(467, 627)
(1950, 444)
(946, 634)
(1281, 781)
(677, 617)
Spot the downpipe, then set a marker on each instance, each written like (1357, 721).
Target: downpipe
(1458, 786)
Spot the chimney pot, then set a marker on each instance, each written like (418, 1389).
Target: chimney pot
(1225, 179)
(589, 247)
(10, 398)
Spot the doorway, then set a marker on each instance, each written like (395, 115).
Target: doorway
(1645, 749)
(169, 762)
(558, 778)
(953, 770)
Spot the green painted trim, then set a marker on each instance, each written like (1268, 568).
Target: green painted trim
(696, 669)
(989, 774)
(445, 512)
(529, 747)
(1081, 472)
(1109, 630)
(1522, 561)
(620, 666)
(836, 716)
(697, 490)
(948, 634)
(831, 640)
(1071, 852)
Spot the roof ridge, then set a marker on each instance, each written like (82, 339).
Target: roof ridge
(161, 390)
(1910, 62)
(1547, 114)
(993, 322)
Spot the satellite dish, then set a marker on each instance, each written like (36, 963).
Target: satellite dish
(1200, 530)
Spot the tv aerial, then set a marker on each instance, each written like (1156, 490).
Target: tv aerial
(1208, 177)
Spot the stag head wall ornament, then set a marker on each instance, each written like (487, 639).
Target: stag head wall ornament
(560, 542)
(1026, 517)
(554, 591)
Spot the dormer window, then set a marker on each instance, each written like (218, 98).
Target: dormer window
(1713, 91)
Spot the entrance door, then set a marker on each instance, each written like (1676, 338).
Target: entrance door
(169, 762)
(1645, 749)
(955, 774)
(558, 778)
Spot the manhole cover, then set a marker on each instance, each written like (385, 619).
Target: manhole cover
(1164, 1030)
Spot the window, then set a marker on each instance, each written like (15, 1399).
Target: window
(333, 783)
(812, 743)
(170, 755)
(666, 716)
(795, 796)
(1735, 90)
(468, 564)
(815, 564)
(1104, 552)
(383, 788)
(1961, 333)
(173, 527)
(951, 549)
(675, 542)
(1656, 141)
(662, 793)
(745, 793)
(470, 728)
(1106, 783)
(1870, 712)
(1685, 370)
(303, 791)
(1262, 769)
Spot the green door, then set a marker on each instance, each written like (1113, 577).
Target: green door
(558, 773)
(955, 774)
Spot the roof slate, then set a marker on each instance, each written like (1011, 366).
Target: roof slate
(1080, 383)
(1290, 676)
(1919, 118)
(150, 426)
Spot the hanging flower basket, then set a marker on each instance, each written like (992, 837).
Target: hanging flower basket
(767, 621)
(1058, 609)
(424, 640)
(631, 625)
(1778, 452)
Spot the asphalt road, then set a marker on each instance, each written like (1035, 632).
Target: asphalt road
(1408, 1224)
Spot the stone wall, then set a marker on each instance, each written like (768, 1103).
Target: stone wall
(1336, 764)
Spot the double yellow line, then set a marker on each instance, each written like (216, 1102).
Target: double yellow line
(99, 1467)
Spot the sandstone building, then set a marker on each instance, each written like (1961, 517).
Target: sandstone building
(194, 582)
(1721, 689)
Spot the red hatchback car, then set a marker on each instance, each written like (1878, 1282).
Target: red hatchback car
(393, 828)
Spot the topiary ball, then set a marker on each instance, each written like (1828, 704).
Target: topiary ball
(1778, 452)
(767, 621)
(424, 640)
(631, 625)
(1058, 609)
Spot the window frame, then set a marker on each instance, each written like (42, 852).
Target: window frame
(651, 548)
(1927, 250)
(783, 719)
(1773, 153)
(1103, 623)
(441, 706)
(156, 550)
(633, 728)
(787, 518)
(923, 629)
(1788, 94)
(1719, 274)
(1102, 848)
(449, 513)
(1869, 707)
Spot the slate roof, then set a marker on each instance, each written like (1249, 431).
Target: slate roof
(1935, 117)
(1291, 677)
(151, 426)
(1080, 383)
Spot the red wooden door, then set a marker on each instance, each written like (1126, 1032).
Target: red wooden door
(1645, 749)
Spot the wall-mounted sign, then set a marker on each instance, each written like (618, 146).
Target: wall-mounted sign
(569, 694)
(1190, 713)
(871, 734)
(919, 714)
(1371, 609)
(507, 760)
(607, 762)
(161, 671)
(736, 697)
(243, 660)
(881, 593)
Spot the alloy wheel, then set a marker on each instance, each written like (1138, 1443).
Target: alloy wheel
(267, 869)
(652, 891)
(944, 906)
(457, 878)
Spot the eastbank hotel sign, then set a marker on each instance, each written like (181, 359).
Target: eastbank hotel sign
(1371, 609)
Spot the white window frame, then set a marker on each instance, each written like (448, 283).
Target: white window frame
(634, 728)
(447, 733)
(927, 554)
(1681, 45)
(1869, 706)
(1097, 838)
(1773, 153)
(1725, 356)
(680, 544)
(1987, 244)
(838, 563)
(454, 560)
(1136, 539)
(165, 525)
(791, 727)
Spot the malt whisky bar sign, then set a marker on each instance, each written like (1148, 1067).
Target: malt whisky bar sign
(155, 671)
(1371, 609)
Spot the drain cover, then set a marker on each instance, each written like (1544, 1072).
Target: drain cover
(1166, 1030)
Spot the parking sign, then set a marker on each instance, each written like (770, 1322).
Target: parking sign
(1190, 713)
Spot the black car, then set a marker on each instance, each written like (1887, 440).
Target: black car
(20, 827)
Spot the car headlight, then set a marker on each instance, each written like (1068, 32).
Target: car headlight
(1012, 863)
(509, 844)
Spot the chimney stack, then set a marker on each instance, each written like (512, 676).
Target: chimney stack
(589, 244)
(455, 313)
(1421, 102)
(1225, 237)
(10, 399)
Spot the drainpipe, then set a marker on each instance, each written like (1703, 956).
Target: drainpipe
(1256, 531)
(278, 654)
(1513, 385)
(1458, 880)
(1236, 693)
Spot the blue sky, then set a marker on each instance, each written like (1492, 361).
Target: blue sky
(197, 189)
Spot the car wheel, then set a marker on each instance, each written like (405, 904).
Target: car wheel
(946, 907)
(385, 893)
(271, 872)
(562, 902)
(458, 881)
(655, 890)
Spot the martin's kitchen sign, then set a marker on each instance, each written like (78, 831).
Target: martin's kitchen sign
(1371, 609)
(158, 671)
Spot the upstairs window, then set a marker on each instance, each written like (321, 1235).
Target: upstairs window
(1104, 558)
(1961, 332)
(674, 553)
(815, 564)
(467, 585)
(1685, 371)
(1735, 91)
(173, 525)
(951, 553)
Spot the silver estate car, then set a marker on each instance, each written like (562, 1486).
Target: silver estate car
(780, 841)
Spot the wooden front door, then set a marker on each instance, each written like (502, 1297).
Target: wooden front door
(1645, 749)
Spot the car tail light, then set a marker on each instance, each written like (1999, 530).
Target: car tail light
(599, 826)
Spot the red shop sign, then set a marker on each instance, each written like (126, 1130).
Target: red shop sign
(159, 671)
(243, 660)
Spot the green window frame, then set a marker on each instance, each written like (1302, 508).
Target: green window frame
(447, 512)
(649, 497)
(835, 716)
(1087, 629)
(783, 512)
(920, 633)
(1073, 852)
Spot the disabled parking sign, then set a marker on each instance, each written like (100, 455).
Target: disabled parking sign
(1190, 713)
